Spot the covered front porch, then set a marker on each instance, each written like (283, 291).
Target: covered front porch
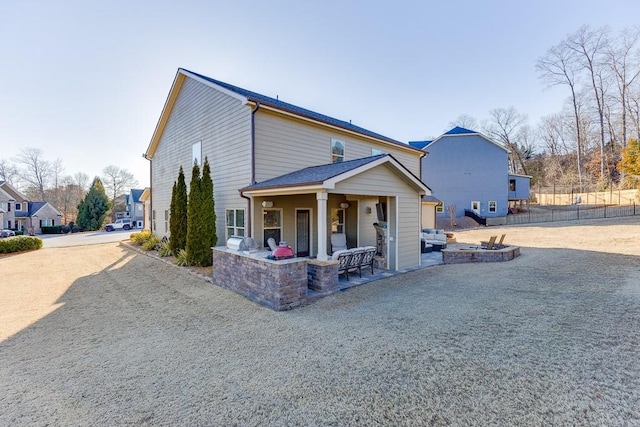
(372, 202)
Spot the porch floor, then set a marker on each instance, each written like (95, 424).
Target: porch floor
(427, 260)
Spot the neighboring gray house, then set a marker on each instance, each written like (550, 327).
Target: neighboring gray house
(471, 172)
(135, 207)
(22, 214)
(274, 170)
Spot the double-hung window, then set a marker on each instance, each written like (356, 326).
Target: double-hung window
(235, 222)
(337, 150)
(493, 206)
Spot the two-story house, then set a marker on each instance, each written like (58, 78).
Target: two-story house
(24, 215)
(286, 172)
(470, 172)
(135, 207)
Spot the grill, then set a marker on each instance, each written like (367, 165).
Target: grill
(282, 252)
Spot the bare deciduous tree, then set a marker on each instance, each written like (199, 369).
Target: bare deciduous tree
(464, 121)
(590, 47)
(8, 172)
(508, 127)
(117, 181)
(37, 171)
(560, 67)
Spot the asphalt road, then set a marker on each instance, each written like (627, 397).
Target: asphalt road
(86, 238)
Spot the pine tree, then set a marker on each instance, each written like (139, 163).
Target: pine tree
(93, 209)
(208, 207)
(179, 213)
(194, 222)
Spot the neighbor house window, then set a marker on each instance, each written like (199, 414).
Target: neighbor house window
(46, 223)
(196, 151)
(18, 206)
(166, 221)
(376, 152)
(512, 185)
(235, 222)
(337, 220)
(440, 207)
(271, 226)
(153, 222)
(337, 151)
(493, 206)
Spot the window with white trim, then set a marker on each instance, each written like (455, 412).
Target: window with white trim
(235, 222)
(46, 222)
(153, 222)
(440, 207)
(493, 206)
(166, 221)
(18, 206)
(337, 150)
(196, 151)
(337, 220)
(271, 226)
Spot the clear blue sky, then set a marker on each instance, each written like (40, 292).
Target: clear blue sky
(86, 81)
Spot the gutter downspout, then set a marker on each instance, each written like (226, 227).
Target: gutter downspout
(150, 193)
(253, 167)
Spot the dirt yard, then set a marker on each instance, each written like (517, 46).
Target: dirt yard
(101, 335)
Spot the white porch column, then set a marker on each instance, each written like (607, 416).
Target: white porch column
(322, 225)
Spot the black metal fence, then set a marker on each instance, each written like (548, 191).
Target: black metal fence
(572, 213)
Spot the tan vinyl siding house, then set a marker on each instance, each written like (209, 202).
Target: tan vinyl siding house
(272, 162)
(222, 125)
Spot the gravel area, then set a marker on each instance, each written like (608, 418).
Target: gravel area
(102, 335)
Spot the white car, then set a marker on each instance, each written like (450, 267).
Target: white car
(7, 233)
(120, 224)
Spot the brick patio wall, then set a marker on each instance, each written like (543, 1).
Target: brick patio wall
(279, 285)
(322, 276)
(457, 256)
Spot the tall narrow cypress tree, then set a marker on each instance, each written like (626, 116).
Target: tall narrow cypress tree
(208, 208)
(194, 222)
(179, 214)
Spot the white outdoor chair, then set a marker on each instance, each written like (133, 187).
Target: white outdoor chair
(338, 242)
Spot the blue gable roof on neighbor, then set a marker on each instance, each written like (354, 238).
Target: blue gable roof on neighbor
(419, 144)
(285, 106)
(459, 131)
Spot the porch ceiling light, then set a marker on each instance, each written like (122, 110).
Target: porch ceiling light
(344, 205)
(267, 204)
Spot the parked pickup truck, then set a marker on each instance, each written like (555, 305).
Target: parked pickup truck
(120, 224)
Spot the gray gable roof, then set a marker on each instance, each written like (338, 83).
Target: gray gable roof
(313, 174)
(285, 106)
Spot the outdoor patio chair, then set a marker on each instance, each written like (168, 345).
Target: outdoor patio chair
(490, 243)
(344, 258)
(272, 243)
(499, 244)
(367, 258)
(355, 264)
(338, 242)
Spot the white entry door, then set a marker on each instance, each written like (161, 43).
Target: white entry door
(475, 206)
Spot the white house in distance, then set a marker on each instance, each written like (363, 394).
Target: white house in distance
(286, 172)
(470, 172)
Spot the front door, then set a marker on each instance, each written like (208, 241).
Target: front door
(303, 232)
(475, 207)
